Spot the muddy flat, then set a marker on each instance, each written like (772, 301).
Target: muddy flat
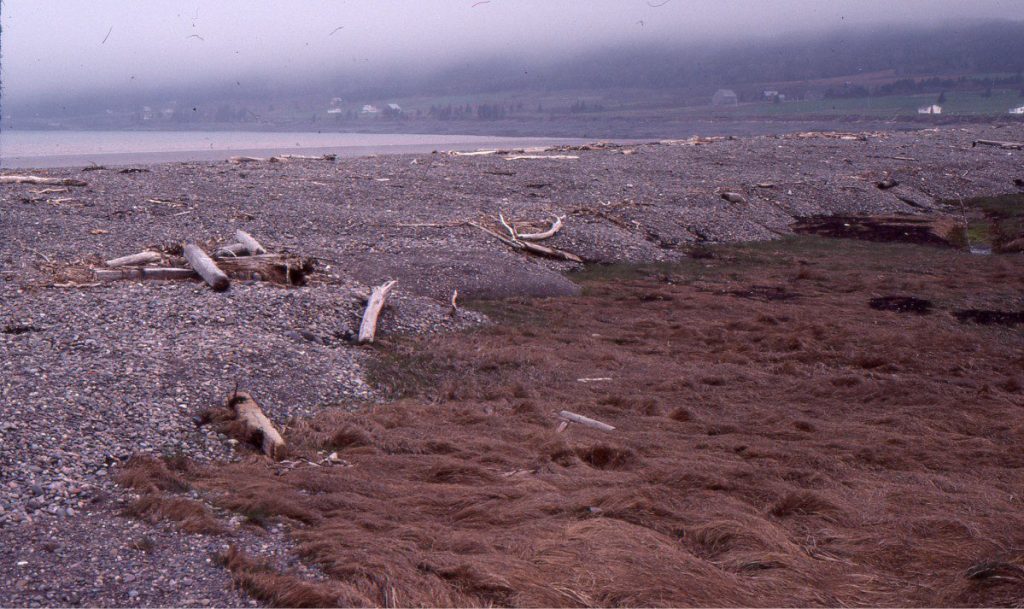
(801, 420)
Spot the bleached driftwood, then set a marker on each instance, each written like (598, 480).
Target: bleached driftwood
(278, 268)
(474, 153)
(555, 227)
(245, 159)
(368, 327)
(535, 248)
(305, 157)
(207, 268)
(526, 157)
(135, 259)
(233, 250)
(17, 179)
(259, 428)
(251, 244)
(572, 417)
(455, 304)
(999, 144)
(160, 273)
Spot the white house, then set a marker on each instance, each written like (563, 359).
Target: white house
(724, 97)
(370, 109)
(334, 111)
(932, 109)
(1017, 110)
(395, 108)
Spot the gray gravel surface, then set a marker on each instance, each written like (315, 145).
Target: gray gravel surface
(91, 375)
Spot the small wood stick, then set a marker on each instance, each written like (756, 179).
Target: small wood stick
(368, 327)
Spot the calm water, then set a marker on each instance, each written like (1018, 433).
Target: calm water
(79, 148)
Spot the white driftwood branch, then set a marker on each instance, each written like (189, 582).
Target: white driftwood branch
(259, 426)
(475, 153)
(528, 246)
(134, 259)
(245, 159)
(526, 157)
(572, 417)
(249, 242)
(555, 227)
(455, 304)
(17, 179)
(368, 327)
(207, 268)
(508, 227)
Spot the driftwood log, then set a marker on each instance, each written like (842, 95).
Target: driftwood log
(572, 417)
(278, 268)
(368, 327)
(999, 144)
(17, 179)
(528, 246)
(251, 245)
(258, 427)
(206, 267)
(231, 251)
(135, 259)
(144, 273)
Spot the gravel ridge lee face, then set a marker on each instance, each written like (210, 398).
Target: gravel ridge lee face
(89, 376)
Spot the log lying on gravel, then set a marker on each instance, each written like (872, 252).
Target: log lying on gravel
(999, 144)
(251, 245)
(572, 417)
(278, 268)
(258, 427)
(231, 251)
(40, 180)
(207, 268)
(245, 159)
(135, 259)
(144, 273)
(368, 327)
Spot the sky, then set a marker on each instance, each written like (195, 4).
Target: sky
(57, 47)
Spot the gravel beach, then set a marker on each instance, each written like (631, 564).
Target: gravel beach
(92, 373)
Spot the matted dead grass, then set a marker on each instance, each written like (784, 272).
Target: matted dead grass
(803, 451)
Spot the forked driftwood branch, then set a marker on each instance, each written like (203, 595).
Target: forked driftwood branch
(258, 427)
(514, 241)
(368, 327)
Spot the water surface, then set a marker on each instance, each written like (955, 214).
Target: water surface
(79, 148)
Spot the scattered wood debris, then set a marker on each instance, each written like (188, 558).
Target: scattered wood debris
(733, 197)
(998, 144)
(524, 157)
(19, 179)
(259, 430)
(368, 327)
(234, 260)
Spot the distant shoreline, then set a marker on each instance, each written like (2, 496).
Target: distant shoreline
(30, 149)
